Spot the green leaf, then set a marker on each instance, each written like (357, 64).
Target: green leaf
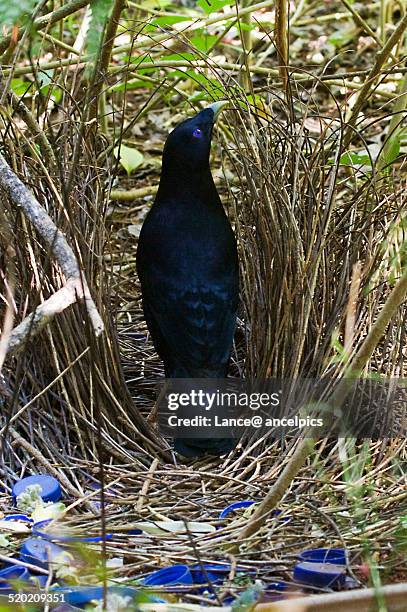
(20, 87)
(203, 41)
(211, 6)
(392, 147)
(355, 158)
(187, 57)
(129, 157)
(246, 27)
(169, 20)
(133, 84)
(342, 37)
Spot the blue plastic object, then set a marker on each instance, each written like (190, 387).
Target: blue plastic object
(320, 574)
(50, 487)
(235, 506)
(38, 530)
(39, 552)
(214, 573)
(82, 595)
(169, 576)
(337, 556)
(12, 572)
(18, 517)
(277, 585)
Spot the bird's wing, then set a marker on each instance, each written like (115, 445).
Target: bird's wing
(192, 326)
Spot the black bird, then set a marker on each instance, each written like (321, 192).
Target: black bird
(188, 267)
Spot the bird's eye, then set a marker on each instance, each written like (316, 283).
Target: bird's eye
(197, 133)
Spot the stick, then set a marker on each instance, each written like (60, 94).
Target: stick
(360, 600)
(75, 285)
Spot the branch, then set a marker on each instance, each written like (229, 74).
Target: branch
(59, 301)
(394, 595)
(75, 286)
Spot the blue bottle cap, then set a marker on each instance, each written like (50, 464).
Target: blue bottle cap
(320, 574)
(277, 585)
(82, 595)
(210, 572)
(235, 506)
(18, 517)
(50, 487)
(337, 556)
(39, 530)
(12, 572)
(168, 576)
(39, 552)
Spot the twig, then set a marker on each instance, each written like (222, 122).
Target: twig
(43, 314)
(23, 199)
(351, 307)
(38, 456)
(146, 484)
(281, 38)
(394, 596)
(132, 194)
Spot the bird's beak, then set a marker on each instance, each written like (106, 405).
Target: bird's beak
(216, 107)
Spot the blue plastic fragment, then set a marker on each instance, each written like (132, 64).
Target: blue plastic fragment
(277, 585)
(235, 506)
(50, 487)
(37, 530)
(12, 572)
(82, 595)
(215, 573)
(320, 574)
(169, 576)
(337, 556)
(39, 552)
(210, 572)
(18, 517)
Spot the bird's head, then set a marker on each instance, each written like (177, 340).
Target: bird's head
(188, 145)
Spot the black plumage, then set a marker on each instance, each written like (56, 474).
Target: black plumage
(188, 267)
